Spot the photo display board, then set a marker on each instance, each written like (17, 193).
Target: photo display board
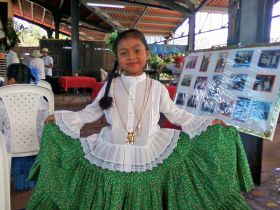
(239, 86)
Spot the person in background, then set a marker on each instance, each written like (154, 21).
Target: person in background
(48, 61)
(21, 74)
(12, 56)
(176, 68)
(25, 59)
(38, 63)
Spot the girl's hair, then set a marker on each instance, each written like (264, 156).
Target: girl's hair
(20, 72)
(106, 101)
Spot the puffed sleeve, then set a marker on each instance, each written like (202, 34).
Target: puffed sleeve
(191, 124)
(71, 122)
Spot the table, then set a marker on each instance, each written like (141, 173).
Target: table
(67, 82)
(96, 89)
(77, 82)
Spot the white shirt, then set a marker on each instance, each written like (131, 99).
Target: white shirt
(11, 58)
(5, 125)
(108, 148)
(48, 60)
(38, 63)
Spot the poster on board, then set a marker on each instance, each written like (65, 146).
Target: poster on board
(238, 85)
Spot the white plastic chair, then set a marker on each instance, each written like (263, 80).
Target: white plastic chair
(103, 75)
(5, 202)
(21, 102)
(43, 83)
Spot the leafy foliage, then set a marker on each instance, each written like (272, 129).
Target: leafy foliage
(111, 39)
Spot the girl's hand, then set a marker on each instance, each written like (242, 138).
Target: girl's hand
(50, 119)
(218, 122)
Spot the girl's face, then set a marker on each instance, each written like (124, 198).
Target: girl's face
(132, 56)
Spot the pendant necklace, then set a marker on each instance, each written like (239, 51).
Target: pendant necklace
(131, 135)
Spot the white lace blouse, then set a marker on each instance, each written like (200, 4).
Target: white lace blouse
(108, 149)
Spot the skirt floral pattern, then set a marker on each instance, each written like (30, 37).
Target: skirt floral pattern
(207, 172)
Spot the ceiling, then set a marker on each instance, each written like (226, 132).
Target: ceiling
(157, 18)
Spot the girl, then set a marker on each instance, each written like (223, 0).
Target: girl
(133, 163)
(21, 74)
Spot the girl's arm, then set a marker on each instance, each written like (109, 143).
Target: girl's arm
(191, 124)
(72, 122)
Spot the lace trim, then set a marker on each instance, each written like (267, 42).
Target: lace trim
(130, 167)
(64, 128)
(194, 129)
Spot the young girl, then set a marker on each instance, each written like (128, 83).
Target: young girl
(21, 74)
(133, 163)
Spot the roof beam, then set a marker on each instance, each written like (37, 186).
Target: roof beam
(60, 4)
(202, 4)
(32, 15)
(176, 7)
(214, 9)
(164, 31)
(140, 17)
(187, 4)
(105, 17)
(136, 14)
(20, 7)
(165, 23)
(43, 16)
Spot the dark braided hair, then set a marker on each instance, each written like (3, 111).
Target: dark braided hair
(106, 101)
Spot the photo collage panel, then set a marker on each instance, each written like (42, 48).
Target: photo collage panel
(239, 85)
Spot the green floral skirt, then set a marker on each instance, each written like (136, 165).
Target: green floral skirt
(208, 172)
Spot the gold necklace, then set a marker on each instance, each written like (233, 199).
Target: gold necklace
(130, 138)
(139, 125)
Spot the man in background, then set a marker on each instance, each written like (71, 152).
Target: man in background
(12, 56)
(48, 61)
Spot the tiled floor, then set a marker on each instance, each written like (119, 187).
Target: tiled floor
(266, 196)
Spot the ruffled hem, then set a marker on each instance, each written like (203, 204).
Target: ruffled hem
(64, 128)
(208, 173)
(194, 130)
(152, 153)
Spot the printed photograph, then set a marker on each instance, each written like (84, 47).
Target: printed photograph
(241, 109)
(191, 62)
(221, 62)
(205, 62)
(181, 99)
(243, 58)
(217, 81)
(237, 81)
(260, 110)
(186, 81)
(208, 105)
(264, 83)
(192, 101)
(200, 83)
(225, 108)
(269, 59)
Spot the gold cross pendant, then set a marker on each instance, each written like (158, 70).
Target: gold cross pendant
(130, 138)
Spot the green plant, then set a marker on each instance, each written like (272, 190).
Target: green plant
(12, 36)
(111, 39)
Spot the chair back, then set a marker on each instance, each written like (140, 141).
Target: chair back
(103, 75)
(22, 103)
(5, 202)
(45, 84)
